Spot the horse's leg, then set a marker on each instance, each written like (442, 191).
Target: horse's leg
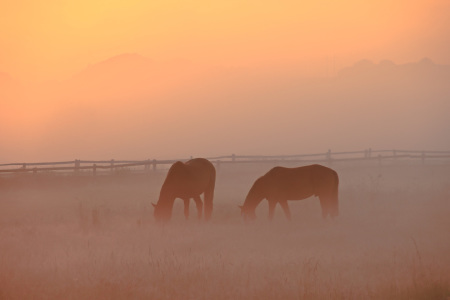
(199, 204)
(332, 207)
(285, 207)
(272, 204)
(186, 208)
(325, 206)
(208, 196)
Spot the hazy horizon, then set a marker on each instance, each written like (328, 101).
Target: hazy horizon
(179, 110)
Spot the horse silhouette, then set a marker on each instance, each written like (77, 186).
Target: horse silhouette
(282, 184)
(187, 180)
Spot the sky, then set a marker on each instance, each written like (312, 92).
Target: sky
(162, 79)
(50, 40)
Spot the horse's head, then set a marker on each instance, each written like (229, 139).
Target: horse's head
(161, 213)
(247, 214)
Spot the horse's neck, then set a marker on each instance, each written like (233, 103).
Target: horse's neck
(254, 197)
(166, 196)
(252, 202)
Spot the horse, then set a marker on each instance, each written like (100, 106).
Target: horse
(187, 180)
(282, 184)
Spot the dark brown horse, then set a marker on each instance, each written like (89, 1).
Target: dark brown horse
(187, 180)
(282, 184)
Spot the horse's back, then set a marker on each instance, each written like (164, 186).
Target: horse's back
(288, 183)
(201, 164)
(191, 178)
(201, 169)
(301, 182)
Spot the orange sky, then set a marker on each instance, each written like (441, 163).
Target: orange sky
(53, 39)
(214, 77)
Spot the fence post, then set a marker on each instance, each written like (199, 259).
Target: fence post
(217, 164)
(77, 166)
(328, 156)
(94, 170)
(112, 166)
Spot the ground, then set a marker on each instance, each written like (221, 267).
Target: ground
(79, 237)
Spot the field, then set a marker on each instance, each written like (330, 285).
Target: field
(76, 237)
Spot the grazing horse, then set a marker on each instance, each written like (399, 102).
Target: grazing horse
(282, 184)
(187, 180)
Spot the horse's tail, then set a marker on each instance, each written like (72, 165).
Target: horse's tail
(334, 209)
(209, 194)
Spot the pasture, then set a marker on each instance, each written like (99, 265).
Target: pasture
(80, 237)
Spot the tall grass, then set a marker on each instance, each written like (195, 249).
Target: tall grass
(98, 241)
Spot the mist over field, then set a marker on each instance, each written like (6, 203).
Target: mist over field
(76, 236)
(129, 107)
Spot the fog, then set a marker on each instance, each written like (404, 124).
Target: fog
(77, 236)
(130, 107)
(140, 80)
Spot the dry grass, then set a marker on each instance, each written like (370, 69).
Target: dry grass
(72, 238)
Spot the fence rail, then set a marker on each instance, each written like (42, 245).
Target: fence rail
(326, 157)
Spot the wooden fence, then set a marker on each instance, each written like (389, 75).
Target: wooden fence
(92, 167)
